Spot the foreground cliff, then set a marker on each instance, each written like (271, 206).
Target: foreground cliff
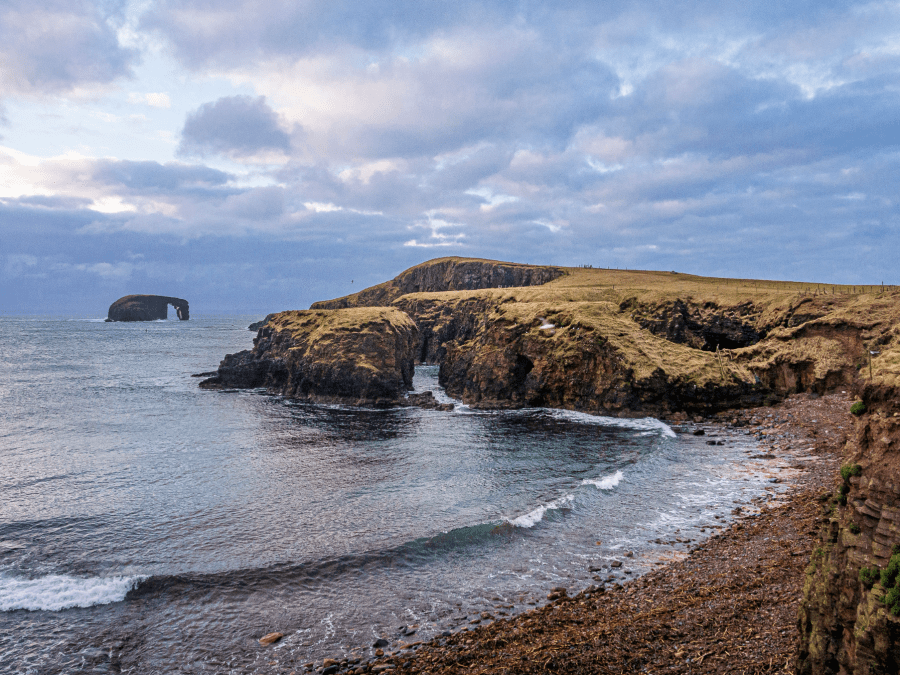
(147, 308)
(357, 356)
(850, 616)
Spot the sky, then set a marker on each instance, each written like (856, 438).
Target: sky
(254, 156)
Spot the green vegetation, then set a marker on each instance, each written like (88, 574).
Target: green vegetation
(891, 582)
(858, 408)
(854, 528)
(869, 575)
(849, 470)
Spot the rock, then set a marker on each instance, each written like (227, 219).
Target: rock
(259, 324)
(379, 652)
(699, 432)
(330, 670)
(616, 563)
(380, 642)
(425, 400)
(146, 308)
(270, 638)
(447, 274)
(330, 662)
(629, 554)
(382, 668)
(358, 356)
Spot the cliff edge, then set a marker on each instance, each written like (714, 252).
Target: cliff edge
(147, 308)
(357, 355)
(447, 274)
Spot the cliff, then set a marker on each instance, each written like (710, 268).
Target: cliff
(358, 355)
(146, 308)
(446, 274)
(850, 616)
(652, 342)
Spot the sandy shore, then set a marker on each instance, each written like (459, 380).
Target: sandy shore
(730, 605)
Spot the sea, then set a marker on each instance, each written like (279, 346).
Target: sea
(148, 526)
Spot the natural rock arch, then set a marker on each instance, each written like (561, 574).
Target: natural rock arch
(147, 308)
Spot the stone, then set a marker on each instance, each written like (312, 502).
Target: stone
(616, 563)
(146, 308)
(380, 642)
(270, 638)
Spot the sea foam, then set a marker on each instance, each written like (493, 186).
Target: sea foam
(532, 518)
(642, 424)
(59, 591)
(605, 483)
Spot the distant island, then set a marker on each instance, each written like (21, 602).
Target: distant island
(146, 308)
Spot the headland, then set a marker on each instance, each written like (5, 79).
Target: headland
(677, 346)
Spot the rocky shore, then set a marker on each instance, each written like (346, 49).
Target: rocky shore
(678, 347)
(727, 605)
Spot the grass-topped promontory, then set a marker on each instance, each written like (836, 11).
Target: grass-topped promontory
(658, 335)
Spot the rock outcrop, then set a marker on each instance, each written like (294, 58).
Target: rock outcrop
(633, 342)
(447, 274)
(146, 308)
(849, 621)
(359, 355)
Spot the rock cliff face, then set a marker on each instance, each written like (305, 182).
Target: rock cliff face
(359, 355)
(633, 342)
(447, 274)
(848, 619)
(146, 308)
(498, 354)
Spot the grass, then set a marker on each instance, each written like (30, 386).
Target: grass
(849, 470)
(814, 332)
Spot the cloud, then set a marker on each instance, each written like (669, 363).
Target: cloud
(60, 46)
(155, 100)
(237, 126)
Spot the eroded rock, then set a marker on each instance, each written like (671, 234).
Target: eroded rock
(358, 356)
(147, 308)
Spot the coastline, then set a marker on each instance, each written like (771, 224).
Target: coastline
(729, 604)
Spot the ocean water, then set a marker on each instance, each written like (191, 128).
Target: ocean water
(149, 526)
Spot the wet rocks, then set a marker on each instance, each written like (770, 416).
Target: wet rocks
(270, 638)
(424, 400)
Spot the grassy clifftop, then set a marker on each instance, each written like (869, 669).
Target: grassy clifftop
(641, 340)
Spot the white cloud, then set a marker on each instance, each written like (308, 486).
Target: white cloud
(154, 99)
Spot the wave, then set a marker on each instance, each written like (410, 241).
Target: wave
(534, 517)
(605, 483)
(645, 424)
(59, 591)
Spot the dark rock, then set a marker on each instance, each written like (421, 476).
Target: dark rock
(616, 563)
(447, 274)
(259, 324)
(358, 356)
(146, 308)
(425, 400)
(699, 432)
(380, 642)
